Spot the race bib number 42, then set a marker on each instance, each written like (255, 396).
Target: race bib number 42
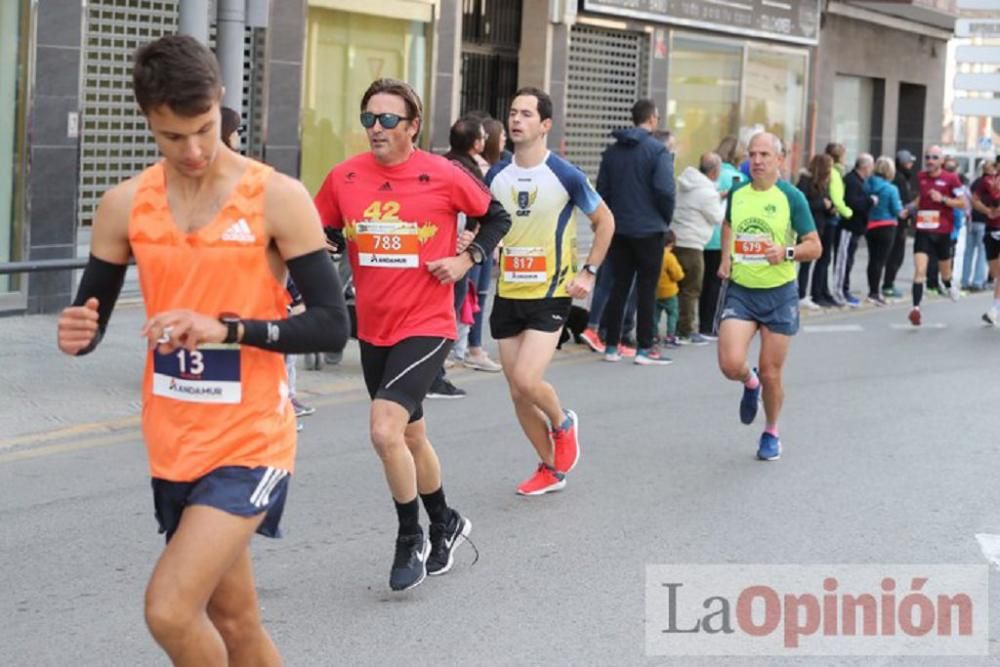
(751, 248)
(393, 245)
(210, 374)
(524, 265)
(928, 220)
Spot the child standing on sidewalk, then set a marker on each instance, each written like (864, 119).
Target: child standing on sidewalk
(666, 292)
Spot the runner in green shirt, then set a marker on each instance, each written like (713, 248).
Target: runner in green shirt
(768, 227)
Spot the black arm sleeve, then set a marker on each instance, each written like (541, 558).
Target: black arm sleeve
(103, 281)
(323, 327)
(493, 226)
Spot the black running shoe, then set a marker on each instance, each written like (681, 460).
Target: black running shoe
(442, 388)
(409, 567)
(445, 538)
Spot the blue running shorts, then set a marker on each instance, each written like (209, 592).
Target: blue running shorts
(234, 489)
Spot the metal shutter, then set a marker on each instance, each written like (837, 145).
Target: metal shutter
(114, 141)
(608, 72)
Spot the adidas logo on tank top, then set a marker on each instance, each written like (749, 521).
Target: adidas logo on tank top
(239, 231)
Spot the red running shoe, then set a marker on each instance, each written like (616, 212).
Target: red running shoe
(566, 443)
(593, 340)
(545, 479)
(915, 316)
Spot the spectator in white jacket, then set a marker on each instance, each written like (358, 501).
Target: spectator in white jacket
(698, 210)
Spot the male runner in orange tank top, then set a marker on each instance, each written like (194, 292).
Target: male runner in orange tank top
(212, 233)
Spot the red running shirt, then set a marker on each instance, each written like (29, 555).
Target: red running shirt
(936, 218)
(395, 220)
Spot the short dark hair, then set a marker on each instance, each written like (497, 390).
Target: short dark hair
(465, 132)
(402, 90)
(544, 101)
(642, 111)
(177, 71)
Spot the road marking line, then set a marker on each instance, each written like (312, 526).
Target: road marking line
(831, 328)
(36, 452)
(930, 325)
(69, 432)
(990, 546)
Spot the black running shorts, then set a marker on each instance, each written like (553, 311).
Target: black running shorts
(992, 243)
(933, 245)
(403, 373)
(512, 316)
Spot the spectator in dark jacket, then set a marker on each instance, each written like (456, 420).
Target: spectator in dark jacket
(636, 180)
(908, 195)
(853, 228)
(815, 185)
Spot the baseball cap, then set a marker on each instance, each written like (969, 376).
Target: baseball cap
(904, 156)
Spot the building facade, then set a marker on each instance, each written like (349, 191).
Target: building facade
(866, 74)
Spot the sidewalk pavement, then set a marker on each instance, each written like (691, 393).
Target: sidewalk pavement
(49, 395)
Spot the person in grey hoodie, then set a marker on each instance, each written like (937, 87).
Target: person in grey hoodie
(699, 211)
(636, 180)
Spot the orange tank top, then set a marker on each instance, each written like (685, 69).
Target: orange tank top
(222, 405)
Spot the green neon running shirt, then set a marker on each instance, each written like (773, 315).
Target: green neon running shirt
(778, 215)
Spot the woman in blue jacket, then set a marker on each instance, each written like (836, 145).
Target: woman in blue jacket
(881, 223)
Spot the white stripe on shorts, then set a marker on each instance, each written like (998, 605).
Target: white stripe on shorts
(267, 492)
(261, 485)
(417, 363)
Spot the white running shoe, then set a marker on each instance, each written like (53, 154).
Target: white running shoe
(809, 304)
(990, 316)
(954, 293)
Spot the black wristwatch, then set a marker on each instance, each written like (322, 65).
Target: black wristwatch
(790, 253)
(232, 322)
(590, 268)
(476, 253)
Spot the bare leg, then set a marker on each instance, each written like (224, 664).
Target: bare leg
(207, 545)
(773, 351)
(388, 426)
(235, 612)
(525, 358)
(425, 459)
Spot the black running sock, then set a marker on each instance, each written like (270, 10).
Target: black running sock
(918, 294)
(946, 283)
(437, 508)
(409, 517)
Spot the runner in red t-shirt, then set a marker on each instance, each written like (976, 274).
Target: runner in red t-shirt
(986, 199)
(397, 208)
(939, 195)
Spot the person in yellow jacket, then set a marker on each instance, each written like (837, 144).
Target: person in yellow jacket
(666, 291)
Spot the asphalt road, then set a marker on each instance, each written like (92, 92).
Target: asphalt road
(890, 456)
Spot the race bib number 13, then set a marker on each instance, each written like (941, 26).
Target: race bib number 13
(209, 374)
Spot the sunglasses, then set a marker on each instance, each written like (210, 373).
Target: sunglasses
(386, 120)
(932, 157)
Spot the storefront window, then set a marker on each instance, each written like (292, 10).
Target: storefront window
(852, 114)
(704, 95)
(9, 24)
(775, 85)
(345, 52)
(717, 88)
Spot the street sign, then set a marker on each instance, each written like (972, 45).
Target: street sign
(983, 55)
(980, 82)
(977, 27)
(976, 106)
